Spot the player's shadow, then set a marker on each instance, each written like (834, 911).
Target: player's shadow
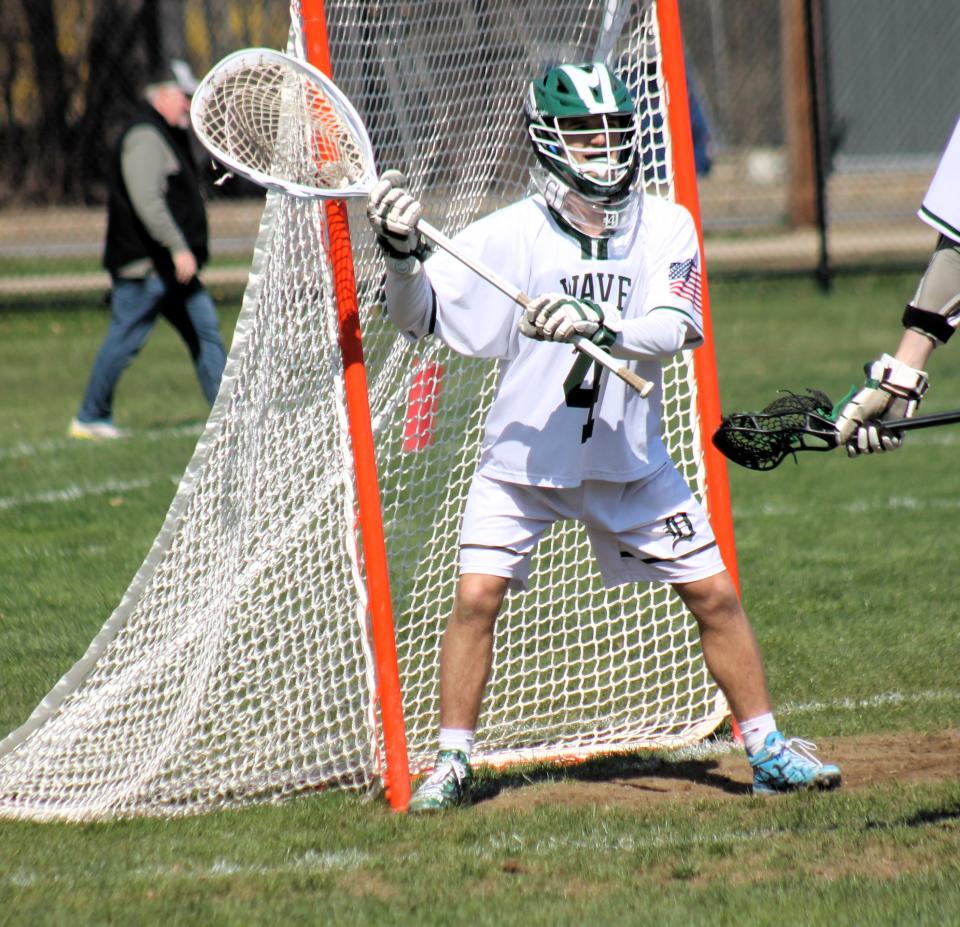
(927, 816)
(643, 772)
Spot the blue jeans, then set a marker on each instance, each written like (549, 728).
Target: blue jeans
(134, 307)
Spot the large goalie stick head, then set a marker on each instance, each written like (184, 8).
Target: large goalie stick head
(283, 124)
(761, 440)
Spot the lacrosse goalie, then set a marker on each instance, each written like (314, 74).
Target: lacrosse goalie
(896, 384)
(564, 440)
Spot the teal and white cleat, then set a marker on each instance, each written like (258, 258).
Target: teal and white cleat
(790, 766)
(448, 786)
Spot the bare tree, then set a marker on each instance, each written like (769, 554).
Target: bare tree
(11, 64)
(116, 62)
(50, 136)
(171, 29)
(54, 147)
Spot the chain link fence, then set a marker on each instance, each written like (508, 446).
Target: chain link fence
(880, 75)
(888, 100)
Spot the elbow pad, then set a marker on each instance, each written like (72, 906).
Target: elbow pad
(934, 325)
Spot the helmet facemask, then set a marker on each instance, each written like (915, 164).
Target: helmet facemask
(594, 154)
(582, 125)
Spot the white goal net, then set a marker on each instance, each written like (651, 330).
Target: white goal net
(237, 668)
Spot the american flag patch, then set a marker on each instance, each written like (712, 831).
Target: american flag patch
(684, 277)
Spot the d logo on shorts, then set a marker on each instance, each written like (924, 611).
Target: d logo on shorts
(679, 527)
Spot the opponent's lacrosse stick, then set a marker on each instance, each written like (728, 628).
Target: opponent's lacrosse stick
(286, 126)
(761, 440)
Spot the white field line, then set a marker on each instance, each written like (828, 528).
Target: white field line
(72, 493)
(874, 701)
(493, 847)
(310, 862)
(885, 504)
(23, 449)
(75, 493)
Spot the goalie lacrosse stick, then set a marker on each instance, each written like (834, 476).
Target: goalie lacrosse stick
(761, 440)
(286, 126)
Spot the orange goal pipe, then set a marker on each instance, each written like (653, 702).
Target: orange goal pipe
(705, 364)
(704, 358)
(396, 779)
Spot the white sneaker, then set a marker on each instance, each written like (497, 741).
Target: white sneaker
(95, 431)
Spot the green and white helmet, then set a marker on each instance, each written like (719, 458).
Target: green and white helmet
(557, 103)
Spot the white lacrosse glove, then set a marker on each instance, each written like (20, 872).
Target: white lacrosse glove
(394, 213)
(558, 317)
(893, 390)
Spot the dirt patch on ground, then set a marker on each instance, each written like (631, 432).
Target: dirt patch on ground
(864, 761)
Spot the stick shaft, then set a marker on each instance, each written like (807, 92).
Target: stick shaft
(583, 345)
(923, 421)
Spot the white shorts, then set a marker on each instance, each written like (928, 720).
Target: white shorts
(650, 530)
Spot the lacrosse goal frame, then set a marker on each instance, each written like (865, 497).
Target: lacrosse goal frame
(396, 776)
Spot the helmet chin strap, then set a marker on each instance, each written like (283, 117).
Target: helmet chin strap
(593, 218)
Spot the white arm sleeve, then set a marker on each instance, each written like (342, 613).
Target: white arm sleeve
(672, 316)
(660, 333)
(410, 302)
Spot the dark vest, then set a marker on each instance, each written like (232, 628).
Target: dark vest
(127, 237)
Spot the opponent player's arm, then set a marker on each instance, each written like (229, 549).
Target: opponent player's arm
(896, 384)
(933, 315)
(914, 349)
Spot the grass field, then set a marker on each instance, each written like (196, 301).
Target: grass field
(847, 569)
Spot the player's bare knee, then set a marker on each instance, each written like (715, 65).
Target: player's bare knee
(713, 600)
(479, 598)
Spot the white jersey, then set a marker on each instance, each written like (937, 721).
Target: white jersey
(941, 205)
(550, 424)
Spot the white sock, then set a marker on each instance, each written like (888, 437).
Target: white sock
(453, 738)
(754, 732)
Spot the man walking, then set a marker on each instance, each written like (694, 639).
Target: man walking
(156, 243)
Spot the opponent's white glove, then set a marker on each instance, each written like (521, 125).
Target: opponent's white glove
(893, 390)
(394, 213)
(558, 317)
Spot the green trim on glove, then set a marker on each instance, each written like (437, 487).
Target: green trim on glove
(835, 411)
(604, 337)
